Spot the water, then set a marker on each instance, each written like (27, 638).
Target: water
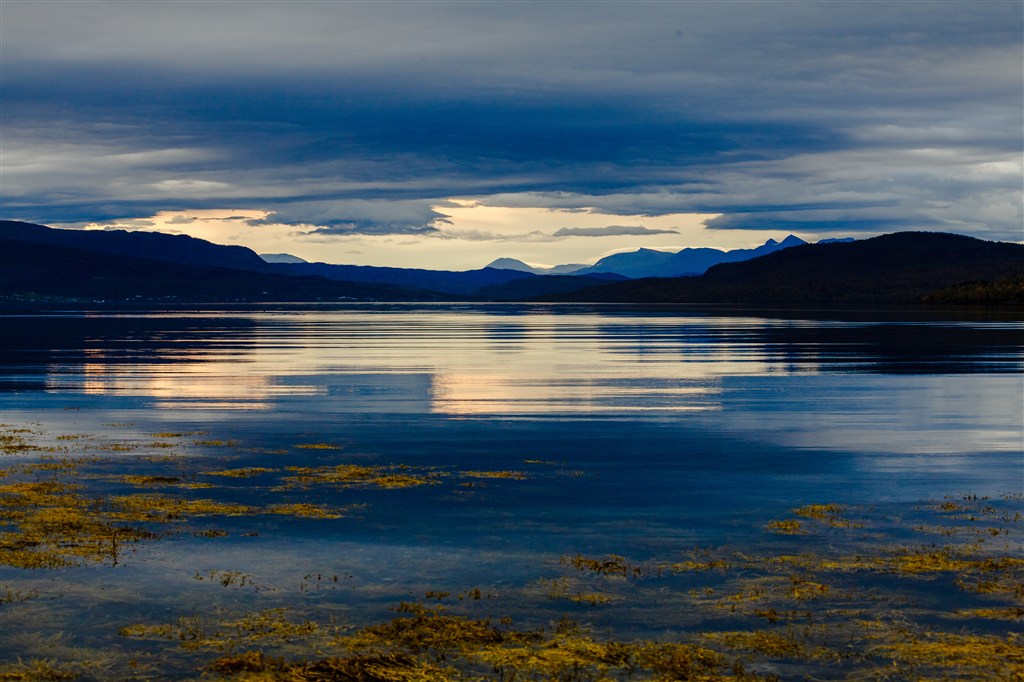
(639, 433)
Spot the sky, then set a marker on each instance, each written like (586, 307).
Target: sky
(448, 134)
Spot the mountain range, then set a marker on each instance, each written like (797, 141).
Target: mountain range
(32, 271)
(39, 261)
(654, 263)
(173, 248)
(901, 267)
(627, 265)
(520, 266)
(42, 263)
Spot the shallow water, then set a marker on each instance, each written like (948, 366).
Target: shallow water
(641, 433)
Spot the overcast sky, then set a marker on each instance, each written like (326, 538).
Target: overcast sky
(445, 135)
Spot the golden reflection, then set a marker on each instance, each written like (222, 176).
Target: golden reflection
(510, 394)
(439, 361)
(199, 385)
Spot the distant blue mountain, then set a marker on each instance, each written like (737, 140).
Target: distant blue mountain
(520, 266)
(461, 283)
(38, 263)
(689, 261)
(639, 263)
(489, 283)
(512, 264)
(115, 265)
(282, 258)
(903, 267)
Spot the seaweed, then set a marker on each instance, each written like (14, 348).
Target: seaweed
(390, 477)
(850, 593)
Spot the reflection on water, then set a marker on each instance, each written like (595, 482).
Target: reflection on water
(530, 433)
(849, 384)
(515, 360)
(684, 391)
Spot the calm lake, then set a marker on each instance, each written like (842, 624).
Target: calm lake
(368, 455)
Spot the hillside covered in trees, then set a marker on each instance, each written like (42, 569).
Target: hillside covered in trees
(904, 267)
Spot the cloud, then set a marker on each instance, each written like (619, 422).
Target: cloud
(610, 231)
(364, 118)
(490, 236)
(192, 187)
(347, 217)
(344, 229)
(135, 224)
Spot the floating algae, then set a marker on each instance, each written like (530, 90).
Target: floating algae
(49, 519)
(785, 526)
(245, 472)
(216, 443)
(817, 617)
(39, 670)
(317, 446)
(427, 643)
(53, 521)
(610, 565)
(513, 475)
(155, 481)
(854, 595)
(305, 509)
(356, 475)
(564, 588)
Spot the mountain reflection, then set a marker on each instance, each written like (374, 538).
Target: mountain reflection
(825, 345)
(464, 360)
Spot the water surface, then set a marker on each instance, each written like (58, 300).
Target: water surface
(639, 433)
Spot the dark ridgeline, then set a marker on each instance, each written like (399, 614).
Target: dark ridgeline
(461, 284)
(904, 267)
(169, 248)
(689, 261)
(55, 272)
(39, 263)
(117, 265)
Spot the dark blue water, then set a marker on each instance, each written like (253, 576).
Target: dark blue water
(639, 433)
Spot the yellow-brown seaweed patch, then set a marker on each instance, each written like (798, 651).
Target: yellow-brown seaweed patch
(613, 564)
(13, 442)
(770, 643)
(831, 514)
(785, 526)
(149, 480)
(988, 657)
(194, 632)
(829, 604)
(356, 475)
(246, 472)
(514, 475)
(38, 670)
(304, 509)
(255, 665)
(164, 508)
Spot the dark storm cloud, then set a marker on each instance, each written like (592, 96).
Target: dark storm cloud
(362, 116)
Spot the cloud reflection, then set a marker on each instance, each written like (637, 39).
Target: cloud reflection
(808, 383)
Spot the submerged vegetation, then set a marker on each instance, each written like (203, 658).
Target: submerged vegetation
(830, 591)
